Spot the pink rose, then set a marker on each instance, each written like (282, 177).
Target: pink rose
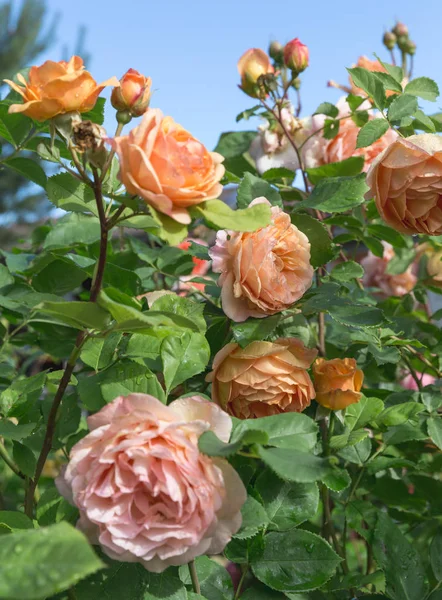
(145, 492)
(409, 383)
(376, 274)
(263, 272)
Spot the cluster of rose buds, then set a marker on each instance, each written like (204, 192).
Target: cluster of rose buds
(258, 74)
(399, 37)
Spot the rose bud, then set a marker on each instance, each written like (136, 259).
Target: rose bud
(56, 88)
(411, 48)
(145, 492)
(263, 272)
(263, 379)
(389, 40)
(133, 93)
(337, 382)
(296, 56)
(406, 182)
(402, 42)
(251, 66)
(276, 51)
(400, 29)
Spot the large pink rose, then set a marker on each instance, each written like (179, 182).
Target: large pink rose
(263, 272)
(166, 166)
(376, 274)
(145, 492)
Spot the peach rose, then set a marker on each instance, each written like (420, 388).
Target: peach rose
(145, 492)
(343, 145)
(56, 88)
(262, 379)
(263, 272)
(406, 182)
(409, 383)
(133, 93)
(200, 268)
(337, 382)
(434, 263)
(376, 274)
(171, 170)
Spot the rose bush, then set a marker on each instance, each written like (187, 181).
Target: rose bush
(200, 402)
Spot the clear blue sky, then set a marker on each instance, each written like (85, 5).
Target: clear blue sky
(190, 47)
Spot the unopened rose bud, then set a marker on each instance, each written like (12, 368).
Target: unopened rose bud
(133, 93)
(402, 43)
(400, 29)
(411, 48)
(389, 40)
(276, 51)
(296, 56)
(297, 83)
(251, 66)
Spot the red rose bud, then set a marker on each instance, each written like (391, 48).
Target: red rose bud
(252, 65)
(400, 29)
(389, 40)
(296, 56)
(133, 94)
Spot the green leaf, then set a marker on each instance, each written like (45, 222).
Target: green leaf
(219, 215)
(396, 72)
(354, 102)
(215, 581)
(210, 444)
(321, 246)
(28, 168)
(98, 353)
(64, 551)
(398, 414)
(337, 480)
(295, 561)
(183, 357)
(169, 230)
(388, 81)
(258, 591)
(13, 127)
(347, 168)
(249, 112)
(359, 453)
(287, 430)
(337, 194)
(371, 132)
(434, 425)
(76, 314)
(71, 230)
(347, 271)
(327, 108)
(363, 412)
(388, 234)
(59, 277)
(24, 459)
(254, 329)
(292, 465)
(400, 561)
(368, 82)
(278, 174)
(402, 106)
(183, 307)
(96, 114)
(5, 276)
(330, 129)
(254, 518)
(252, 187)
(70, 194)
(287, 504)
(15, 520)
(435, 555)
(424, 87)
(10, 431)
(234, 143)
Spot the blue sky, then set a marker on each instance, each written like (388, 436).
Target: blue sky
(190, 47)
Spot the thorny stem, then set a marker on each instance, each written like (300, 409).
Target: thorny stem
(194, 577)
(98, 279)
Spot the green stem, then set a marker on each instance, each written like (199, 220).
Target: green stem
(194, 577)
(108, 162)
(21, 146)
(8, 460)
(245, 570)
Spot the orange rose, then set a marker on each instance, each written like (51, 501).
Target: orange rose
(337, 382)
(263, 272)
(406, 181)
(251, 66)
(56, 88)
(165, 165)
(262, 379)
(133, 93)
